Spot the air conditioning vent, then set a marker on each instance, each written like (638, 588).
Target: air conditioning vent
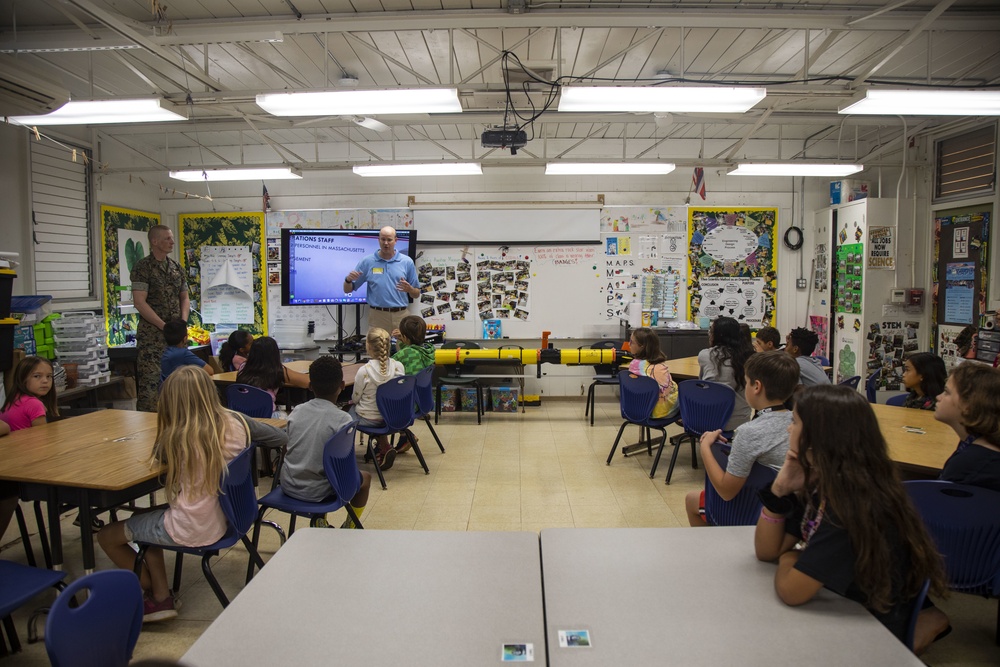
(26, 90)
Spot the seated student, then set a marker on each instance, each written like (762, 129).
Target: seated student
(310, 426)
(924, 375)
(768, 338)
(177, 353)
(233, 353)
(970, 404)
(264, 370)
(649, 360)
(724, 362)
(379, 370)
(32, 400)
(800, 343)
(414, 354)
(771, 377)
(838, 516)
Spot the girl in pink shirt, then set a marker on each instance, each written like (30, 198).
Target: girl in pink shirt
(195, 438)
(649, 360)
(32, 400)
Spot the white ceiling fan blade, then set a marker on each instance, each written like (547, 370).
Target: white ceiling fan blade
(371, 123)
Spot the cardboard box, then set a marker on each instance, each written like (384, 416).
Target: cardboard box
(467, 398)
(448, 398)
(503, 399)
(848, 190)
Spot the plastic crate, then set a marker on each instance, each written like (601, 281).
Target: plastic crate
(94, 380)
(93, 367)
(66, 344)
(73, 327)
(79, 356)
(503, 399)
(467, 398)
(448, 398)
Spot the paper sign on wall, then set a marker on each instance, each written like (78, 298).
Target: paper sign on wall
(881, 249)
(227, 284)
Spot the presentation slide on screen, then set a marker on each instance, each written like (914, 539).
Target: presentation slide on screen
(318, 263)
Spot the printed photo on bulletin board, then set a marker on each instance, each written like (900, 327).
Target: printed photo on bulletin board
(124, 242)
(213, 230)
(733, 264)
(959, 270)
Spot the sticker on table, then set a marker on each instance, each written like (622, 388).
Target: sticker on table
(518, 653)
(574, 638)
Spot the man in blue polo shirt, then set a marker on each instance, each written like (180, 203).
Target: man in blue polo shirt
(391, 276)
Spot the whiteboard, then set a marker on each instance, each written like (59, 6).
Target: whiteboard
(507, 226)
(529, 288)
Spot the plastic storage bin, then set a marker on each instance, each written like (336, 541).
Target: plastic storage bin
(467, 398)
(503, 399)
(448, 398)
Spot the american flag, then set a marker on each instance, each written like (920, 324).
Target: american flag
(698, 179)
(267, 199)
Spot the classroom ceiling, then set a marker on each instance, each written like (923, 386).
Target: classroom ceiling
(214, 56)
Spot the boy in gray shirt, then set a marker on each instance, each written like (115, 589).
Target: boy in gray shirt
(310, 426)
(801, 343)
(771, 377)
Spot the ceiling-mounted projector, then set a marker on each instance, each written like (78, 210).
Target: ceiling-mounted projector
(512, 139)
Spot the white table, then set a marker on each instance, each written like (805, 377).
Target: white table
(693, 596)
(378, 597)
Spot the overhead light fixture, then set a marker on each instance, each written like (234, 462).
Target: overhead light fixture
(370, 123)
(101, 112)
(926, 102)
(361, 102)
(636, 168)
(834, 169)
(416, 169)
(236, 174)
(650, 99)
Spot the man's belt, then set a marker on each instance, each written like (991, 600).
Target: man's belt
(388, 310)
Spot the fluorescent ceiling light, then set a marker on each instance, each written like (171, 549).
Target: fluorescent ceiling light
(236, 174)
(415, 169)
(651, 99)
(640, 168)
(929, 102)
(100, 112)
(361, 102)
(795, 169)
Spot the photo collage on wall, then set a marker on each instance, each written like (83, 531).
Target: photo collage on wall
(445, 291)
(850, 260)
(888, 344)
(503, 286)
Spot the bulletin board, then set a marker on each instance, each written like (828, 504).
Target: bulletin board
(198, 230)
(733, 264)
(124, 242)
(960, 273)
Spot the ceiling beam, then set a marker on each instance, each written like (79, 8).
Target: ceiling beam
(911, 35)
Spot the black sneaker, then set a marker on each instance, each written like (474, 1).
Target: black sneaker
(95, 523)
(386, 459)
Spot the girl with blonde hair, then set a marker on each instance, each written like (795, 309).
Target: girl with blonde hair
(195, 439)
(379, 369)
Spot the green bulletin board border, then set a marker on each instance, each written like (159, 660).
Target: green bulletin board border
(224, 229)
(120, 328)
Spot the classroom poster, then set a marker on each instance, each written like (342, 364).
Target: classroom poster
(820, 325)
(733, 264)
(850, 262)
(889, 341)
(119, 226)
(959, 292)
(945, 344)
(201, 231)
(226, 285)
(447, 282)
(960, 275)
(881, 249)
(848, 355)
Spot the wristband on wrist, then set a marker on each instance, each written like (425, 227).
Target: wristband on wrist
(777, 505)
(771, 519)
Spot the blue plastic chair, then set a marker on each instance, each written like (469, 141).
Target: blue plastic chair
(18, 585)
(896, 400)
(452, 376)
(606, 377)
(395, 400)
(964, 521)
(238, 499)
(251, 401)
(425, 401)
(705, 406)
(637, 397)
(871, 386)
(851, 382)
(744, 509)
(102, 629)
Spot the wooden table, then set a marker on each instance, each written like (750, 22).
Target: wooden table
(92, 461)
(384, 597)
(693, 596)
(686, 368)
(921, 452)
(300, 366)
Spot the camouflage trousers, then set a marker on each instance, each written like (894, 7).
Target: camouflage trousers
(150, 348)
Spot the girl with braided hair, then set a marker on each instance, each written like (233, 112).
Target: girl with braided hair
(379, 369)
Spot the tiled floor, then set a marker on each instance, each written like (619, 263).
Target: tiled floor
(544, 468)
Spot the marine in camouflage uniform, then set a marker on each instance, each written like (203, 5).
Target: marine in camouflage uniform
(166, 294)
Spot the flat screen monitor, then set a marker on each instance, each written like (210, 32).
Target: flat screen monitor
(314, 263)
